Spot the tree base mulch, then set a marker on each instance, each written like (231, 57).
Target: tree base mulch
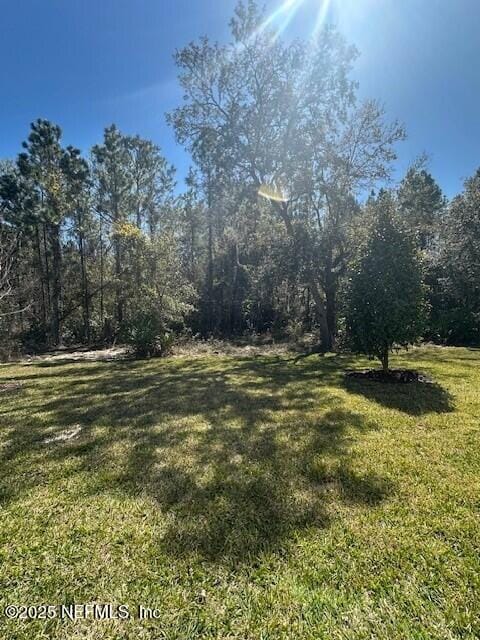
(392, 375)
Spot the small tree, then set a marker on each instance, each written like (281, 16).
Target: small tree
(162, 297)
(386, 295)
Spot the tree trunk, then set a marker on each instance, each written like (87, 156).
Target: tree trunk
(47, 280)
(42, 277)
(315, 289)
(138, 253)
(56, 284)
(102, 314)
(118, 284)
(330, 300)
(384, 359)
(209, 311)
(119, 301)
(325, 337)
(233, 301)
(192, 250)
(308, 320)
(85, 296)
(331, 312)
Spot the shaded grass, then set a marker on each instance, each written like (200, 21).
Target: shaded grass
(245, 498)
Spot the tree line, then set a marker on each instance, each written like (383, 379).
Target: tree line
(272, 233)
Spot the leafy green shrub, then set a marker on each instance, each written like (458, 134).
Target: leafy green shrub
(147, 336)
(34, 339)
(167, 340)
(10, 348)
(295, 329)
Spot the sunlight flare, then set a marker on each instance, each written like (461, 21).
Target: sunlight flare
(322, 15)
(274, 191)
(284, 13)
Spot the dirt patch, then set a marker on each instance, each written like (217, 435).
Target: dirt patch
(79, 355)
(200, 348)
(392, 375)
(191, 349)
(10, 386)
(63, 436)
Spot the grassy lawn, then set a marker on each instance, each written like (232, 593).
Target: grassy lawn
(243, 497)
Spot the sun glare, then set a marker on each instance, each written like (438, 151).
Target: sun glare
(321, 16)
(280, 18)
(283, 15)
(274, 191)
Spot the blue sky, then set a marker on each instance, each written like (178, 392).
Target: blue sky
(87, 63)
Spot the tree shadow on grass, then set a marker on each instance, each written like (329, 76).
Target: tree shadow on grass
(241, 492)
(414, 398)
(239, 455)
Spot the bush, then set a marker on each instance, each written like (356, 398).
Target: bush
(148, 337)
(295, 330)
(10, 348)
(34, 339)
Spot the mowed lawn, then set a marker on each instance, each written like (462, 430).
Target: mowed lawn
(249, 498)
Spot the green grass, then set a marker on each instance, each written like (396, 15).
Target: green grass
(243, 497)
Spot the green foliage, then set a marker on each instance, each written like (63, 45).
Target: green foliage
(385, 307)
(34, 339)
(456, 287)
(147, 335)
(159, 297)
(421, 204)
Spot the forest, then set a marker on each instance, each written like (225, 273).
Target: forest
(290, 222)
